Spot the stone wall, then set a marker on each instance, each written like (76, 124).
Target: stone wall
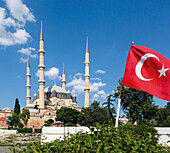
(36, 121)
(3, 124)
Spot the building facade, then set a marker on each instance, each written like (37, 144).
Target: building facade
(47, 100)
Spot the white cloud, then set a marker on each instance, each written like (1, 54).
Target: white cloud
(95, 97)
(77, 85)
(19, 11)
(12, 24)
(94, 87)
(20, 36)
(52, 73)
(99, 94)
(37, 73)
(23, 60)
(28, 51)
(100, 71)
(78, 74)
(70, 77)
(102, 94)
(95, 79)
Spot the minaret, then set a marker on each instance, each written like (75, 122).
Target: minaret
(86, 76)
(41, 69)
(28, 75)
(64, 78)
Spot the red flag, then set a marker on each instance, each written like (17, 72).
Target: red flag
(149, 71)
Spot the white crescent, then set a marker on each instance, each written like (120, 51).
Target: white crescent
(140, 64)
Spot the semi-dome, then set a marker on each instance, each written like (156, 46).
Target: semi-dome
(30, 106)
(34, 111)
(7, 109)
(55, 88)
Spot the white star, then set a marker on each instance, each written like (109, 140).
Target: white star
(162, 71)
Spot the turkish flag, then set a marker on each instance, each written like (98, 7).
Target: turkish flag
(149, 71)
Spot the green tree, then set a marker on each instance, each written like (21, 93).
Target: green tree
(138, 105)
(67, 115)
(168, 105)
(94, 114)
(108, 104)
(17, 107)
(14, 120)
(47, 123)
(25, 115)
(162, 117)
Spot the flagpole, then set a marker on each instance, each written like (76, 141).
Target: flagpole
(119, 102)
(118, 107)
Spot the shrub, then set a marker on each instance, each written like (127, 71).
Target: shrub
(38, 130)
(20, 125)
(70, 124)
(28, 130)
(25, 130)
(105, 138)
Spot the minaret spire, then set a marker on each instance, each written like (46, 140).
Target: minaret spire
(87, 48)
(41, 69)
(64, 78)
(28, 63)
(28, 86)
(41, 34)
(86, 76)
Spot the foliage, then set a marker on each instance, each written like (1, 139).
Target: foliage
(105, 138)
(94, 114)
(25, 115)
(47, 123)
(28, 130)
(110, 109)
(67, 115)
(69, 124)
(15, 120)
(168, 105)
(24, 130)
(38, 130)
(20, 125)
(138, 105)
(162, 117)
(17, 107)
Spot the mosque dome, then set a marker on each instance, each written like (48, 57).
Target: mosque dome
(34, 111)
(7, 109)
(30, 106)
(56, 89)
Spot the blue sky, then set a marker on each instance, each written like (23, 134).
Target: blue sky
(110, 25)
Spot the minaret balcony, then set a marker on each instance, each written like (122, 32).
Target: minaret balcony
(41, 51)
(28, 74)
(87, 75)
(28, 85)
(28, 96)
(86, 88)
(41, 66)
(41, 81)
(86, 62)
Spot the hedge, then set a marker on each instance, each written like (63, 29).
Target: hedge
(27, 130)
(106, 139)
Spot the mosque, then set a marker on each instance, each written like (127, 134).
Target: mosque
(47, 100)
